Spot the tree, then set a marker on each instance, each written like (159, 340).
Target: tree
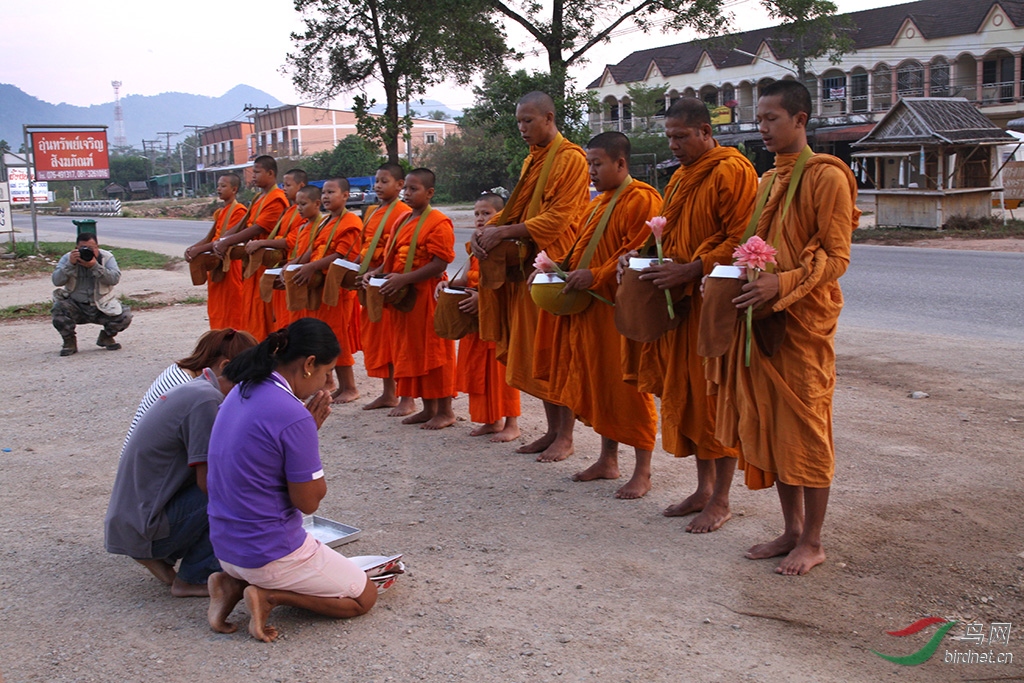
(438, 115)
(573, 27)
(647, 102)
(5, 147)
(810, 30)
(351, 157)
(468, 163)
(405, 48)
(124, 169)
(495, 106)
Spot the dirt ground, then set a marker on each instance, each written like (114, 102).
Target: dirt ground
(515, 572)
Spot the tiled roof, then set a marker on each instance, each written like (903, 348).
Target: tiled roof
(871, 28)
(931, 120)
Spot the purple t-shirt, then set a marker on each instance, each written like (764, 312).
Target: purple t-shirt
(259, 443)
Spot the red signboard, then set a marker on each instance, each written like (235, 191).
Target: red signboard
(70, 155)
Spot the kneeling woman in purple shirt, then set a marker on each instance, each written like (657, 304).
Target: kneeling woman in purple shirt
(264, 472)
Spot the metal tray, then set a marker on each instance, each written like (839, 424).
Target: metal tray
(327, 531)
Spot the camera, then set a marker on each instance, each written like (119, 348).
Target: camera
(86, 253)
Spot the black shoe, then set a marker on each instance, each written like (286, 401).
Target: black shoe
(107, 341)
(70, 346)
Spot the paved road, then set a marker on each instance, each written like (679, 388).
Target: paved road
(957, 293)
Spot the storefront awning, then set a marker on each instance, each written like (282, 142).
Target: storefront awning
(842, 133)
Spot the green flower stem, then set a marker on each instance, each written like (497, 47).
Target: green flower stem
(668, 292)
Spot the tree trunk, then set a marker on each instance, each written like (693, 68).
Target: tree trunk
(391, 117)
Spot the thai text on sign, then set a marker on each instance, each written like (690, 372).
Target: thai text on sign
(70, 155)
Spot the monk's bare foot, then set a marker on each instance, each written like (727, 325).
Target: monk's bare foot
(418, 418)
(802, 559)
(508, 433)
(406, 406)
(599, 470)
(637, 487)
(691, 504)
(439, 421)
(180, 589)
(778, 546)
(489, 428)
(381, 402)
(559, 450)
(225, 592)
(259, 609)
(537, 446)
(344, 396)
(162, 570)
(714, 515)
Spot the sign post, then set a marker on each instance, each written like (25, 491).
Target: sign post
(69, 152)
(6, 223)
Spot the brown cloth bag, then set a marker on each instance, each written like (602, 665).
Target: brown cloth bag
(641, 311)
(373, 302)
(510, 261)
(338, 277)
(718, 317)
(268, 283)
(204, 263)
(404, 300)
(450, 322)
(303, 297)
(265, 257)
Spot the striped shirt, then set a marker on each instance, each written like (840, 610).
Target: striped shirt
(168, 379)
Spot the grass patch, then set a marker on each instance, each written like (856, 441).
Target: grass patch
(956, 228)
(42, 308)
(26, 262)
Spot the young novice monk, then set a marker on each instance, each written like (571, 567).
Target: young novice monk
(376, 337)
(492, 401)
(223, 296)
(779, 408)
(300, 241)
(424, 363)
(586, 357)
(294, 180)
(338, 237)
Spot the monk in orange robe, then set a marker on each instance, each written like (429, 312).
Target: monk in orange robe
(492, 402)
(552, 193)
(420, 249)
(337, 237)
(708, 202)
(292, 181)
(586, 359)
(779, 409)
(223, 298)
(376, 337)
(299, 242)
(263, 214)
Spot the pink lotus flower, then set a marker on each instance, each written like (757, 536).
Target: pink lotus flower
(657, 226)
(544, 264)
(754, 253)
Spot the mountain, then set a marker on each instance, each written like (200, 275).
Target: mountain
(421, 110)
(144, 115)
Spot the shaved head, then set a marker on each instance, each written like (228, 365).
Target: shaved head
(689, 111)
(394, 170)
(615, 144)
(539, 101)
(342, 183)
(496, 201)
(424, 175)
(310, 192)
(233, 179)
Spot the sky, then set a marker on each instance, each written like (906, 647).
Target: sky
(70, 50)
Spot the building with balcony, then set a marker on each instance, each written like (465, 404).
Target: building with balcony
(929, 48)
(225, 144)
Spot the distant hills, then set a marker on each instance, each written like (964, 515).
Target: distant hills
(422, 110)
(144, 115)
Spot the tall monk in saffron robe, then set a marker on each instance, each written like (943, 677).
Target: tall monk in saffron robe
(492, 402)
(264, 211)
(420, 249)
(224, 295)
(380, 221)
(586, 359)
(779, 409)
(546, 204)
(292, 181)
(708, 202)
(337, 237)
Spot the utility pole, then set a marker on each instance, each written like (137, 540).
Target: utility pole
(170, 165)
(146, 151)
(256, 123)
(195, 174)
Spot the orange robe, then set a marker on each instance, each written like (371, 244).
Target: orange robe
(299, 241)
(480, 374)
(585, 360)
(709, 204)
(340, 236)
(224, 299)
(264, 212)
(290, 222)
(376, 337)
(424, 362)
(780, 408)
(508, 315)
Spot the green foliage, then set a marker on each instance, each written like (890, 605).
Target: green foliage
(494, 110)
(5, 147)
(403, 47)
(438, 115)
(124, 169)
(126, 258)
(810, 29)
(352, 156)
(468, 164)
(647, 102)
